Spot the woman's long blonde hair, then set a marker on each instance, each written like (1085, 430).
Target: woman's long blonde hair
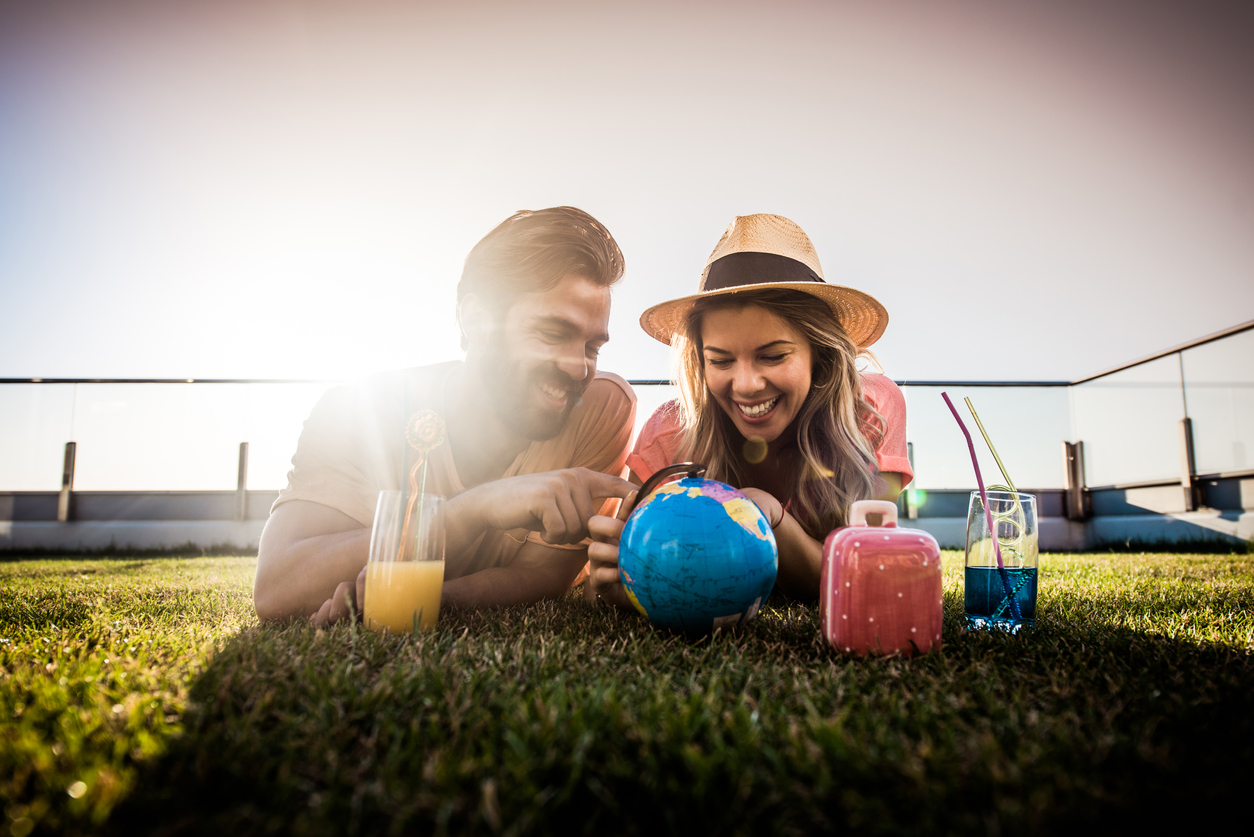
(837, 429)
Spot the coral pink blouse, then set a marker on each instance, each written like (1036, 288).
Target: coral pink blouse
(658, 443)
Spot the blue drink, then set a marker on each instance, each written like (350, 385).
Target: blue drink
(986, 604)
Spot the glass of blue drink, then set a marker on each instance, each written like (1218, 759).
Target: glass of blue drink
(1001, 597)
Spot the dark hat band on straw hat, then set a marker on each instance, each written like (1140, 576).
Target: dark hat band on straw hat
(741, 269)
(769, 252)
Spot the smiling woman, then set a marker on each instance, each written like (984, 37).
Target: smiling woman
(771, 400)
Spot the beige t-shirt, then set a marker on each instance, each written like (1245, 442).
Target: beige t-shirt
(353, 446)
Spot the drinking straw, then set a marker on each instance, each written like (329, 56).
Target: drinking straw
(989, 442)
(988, 514)
(424, 433)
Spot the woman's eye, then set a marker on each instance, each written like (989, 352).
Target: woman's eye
(774, 358)
(718, 363)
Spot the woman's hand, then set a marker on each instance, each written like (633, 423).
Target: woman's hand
(604, 581)
(768, 504)
(348, 601)
(800, 556)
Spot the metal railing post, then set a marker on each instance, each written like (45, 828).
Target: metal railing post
(912, 509)
(1073, 468)
(65, 502)
(241, 484)
(1188, 466)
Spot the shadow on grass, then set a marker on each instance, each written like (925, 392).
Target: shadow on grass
(558, 719)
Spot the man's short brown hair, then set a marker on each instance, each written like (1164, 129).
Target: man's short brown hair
(530, 252)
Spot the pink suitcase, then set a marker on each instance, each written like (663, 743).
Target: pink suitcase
(881, 586)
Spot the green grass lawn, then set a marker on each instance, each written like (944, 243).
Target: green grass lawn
(141, 696)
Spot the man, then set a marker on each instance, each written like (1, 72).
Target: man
(535, 439)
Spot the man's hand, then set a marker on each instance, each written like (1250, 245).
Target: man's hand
(348, 601)
(557, 504)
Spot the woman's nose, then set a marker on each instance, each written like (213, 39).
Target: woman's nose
(747, 380)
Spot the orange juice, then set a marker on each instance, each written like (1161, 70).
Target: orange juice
(400, 592)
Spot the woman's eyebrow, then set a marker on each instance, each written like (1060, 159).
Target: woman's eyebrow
(762, 348)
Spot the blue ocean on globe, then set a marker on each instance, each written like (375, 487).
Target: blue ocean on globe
(697, 555)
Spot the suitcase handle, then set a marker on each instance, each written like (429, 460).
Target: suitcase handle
(859, 510)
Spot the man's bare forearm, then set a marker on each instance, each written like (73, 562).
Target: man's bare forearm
(294, 579)
(499, 587)
(536, 573)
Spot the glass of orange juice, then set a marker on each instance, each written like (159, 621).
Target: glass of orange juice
(406, 568)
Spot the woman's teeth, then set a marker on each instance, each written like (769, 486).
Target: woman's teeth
(759, 410)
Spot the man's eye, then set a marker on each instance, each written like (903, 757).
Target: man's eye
(552, 337)
(593, 351)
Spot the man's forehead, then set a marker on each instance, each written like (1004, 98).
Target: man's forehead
(574, 300)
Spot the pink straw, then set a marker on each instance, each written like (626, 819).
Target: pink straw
(988, 513)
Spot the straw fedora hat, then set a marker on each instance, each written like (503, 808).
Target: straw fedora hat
(768, 251)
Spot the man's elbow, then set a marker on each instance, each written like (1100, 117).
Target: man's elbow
(268, 599)
(265, 605)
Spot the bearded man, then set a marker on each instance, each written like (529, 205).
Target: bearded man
(535, 437)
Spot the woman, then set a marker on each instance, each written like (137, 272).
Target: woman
(770, 398)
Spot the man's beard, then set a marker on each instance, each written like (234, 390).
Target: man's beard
(513, 393)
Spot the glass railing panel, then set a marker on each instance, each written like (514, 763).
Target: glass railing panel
(648, 398)
(1026, 424)
(1129, 422)
(34, 427)
(276, 414)
(158, 437)
(1219, 393)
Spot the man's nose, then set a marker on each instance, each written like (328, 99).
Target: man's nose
(573, 363)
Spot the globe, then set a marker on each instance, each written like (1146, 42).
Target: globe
(697, 555)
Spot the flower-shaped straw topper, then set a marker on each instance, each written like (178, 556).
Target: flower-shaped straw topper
(425, 432)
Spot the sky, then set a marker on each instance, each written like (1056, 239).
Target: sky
(280, 189)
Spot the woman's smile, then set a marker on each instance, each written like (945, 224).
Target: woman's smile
(758, 412)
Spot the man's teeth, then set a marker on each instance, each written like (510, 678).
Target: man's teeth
(553, 393)
(759, 410)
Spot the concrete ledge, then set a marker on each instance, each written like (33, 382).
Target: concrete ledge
(128, 534)
(1182, 527)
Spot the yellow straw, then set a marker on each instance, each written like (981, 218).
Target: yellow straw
(989, 442)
